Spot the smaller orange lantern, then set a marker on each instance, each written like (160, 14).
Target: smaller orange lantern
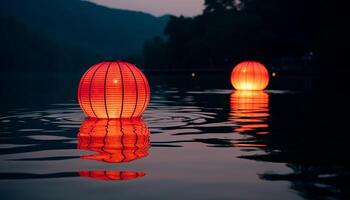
(111, 175)
(114, 140)
(250, 75)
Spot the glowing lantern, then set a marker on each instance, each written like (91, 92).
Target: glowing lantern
(250, 109)
(113, 90)
(114, 140)
(111, 175)
(249, 75)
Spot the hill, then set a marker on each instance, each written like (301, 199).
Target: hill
(109, 33)
(23, 50)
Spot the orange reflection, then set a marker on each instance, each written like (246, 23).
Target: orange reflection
(250, 109)
(114, 140)
(111, 175)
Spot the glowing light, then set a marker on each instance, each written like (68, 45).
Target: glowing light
(249, 75)
(193, 74)
(250, 110)
(114, 140)
(113, 90)
(274, 74)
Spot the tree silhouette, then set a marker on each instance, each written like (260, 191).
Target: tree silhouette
(277, 32)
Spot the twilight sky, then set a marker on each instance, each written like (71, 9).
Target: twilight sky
(157, 7)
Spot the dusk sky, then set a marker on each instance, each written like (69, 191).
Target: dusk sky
(157, 7)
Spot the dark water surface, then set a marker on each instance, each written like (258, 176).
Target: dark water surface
(198, 139)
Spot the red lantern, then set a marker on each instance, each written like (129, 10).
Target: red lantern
(114, 140)
(111, 175)
(113, 90)
(250, 110)
(249, 75)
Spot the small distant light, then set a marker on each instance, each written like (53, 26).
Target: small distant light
(115, 81)
(193, 74)
(274, 74)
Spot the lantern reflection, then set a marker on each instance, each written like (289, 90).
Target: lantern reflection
(111, 175)
(250, 110)
(114, 140)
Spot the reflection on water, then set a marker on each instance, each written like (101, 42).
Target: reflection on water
(97, 175)
(250, 109)
(114, 140)
(205, 140)
(111, 175)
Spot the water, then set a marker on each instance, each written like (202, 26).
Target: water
(198, 139)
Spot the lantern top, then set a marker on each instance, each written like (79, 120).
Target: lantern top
(250, 61)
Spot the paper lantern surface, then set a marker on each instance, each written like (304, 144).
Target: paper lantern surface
(249, 75)
(113, 90)
(114, 140)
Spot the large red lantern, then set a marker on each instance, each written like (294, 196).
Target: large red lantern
(113, 90)
(114, 140)
(249, 75)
